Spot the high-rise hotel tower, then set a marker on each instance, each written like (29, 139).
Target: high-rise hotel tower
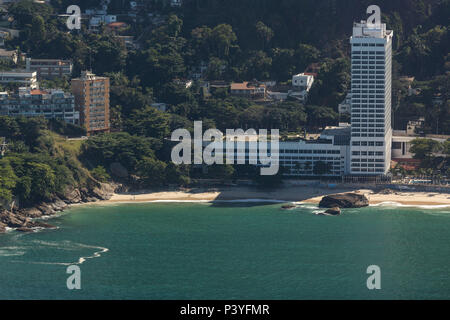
(371, 129)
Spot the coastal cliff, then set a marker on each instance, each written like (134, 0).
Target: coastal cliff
(22, 219)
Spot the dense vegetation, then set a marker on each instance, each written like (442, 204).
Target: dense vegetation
(434, 159)
(38, 163)
(236, 41)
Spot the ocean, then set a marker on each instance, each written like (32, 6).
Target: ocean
(231, 250)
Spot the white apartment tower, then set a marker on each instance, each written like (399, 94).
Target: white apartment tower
(371, 133)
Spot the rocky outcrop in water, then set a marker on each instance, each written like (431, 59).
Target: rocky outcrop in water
(23, 219)
(334, 211)
(344, 200)
(288, 206)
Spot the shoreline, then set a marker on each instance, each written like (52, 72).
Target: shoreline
(27, 220)
(297, 194)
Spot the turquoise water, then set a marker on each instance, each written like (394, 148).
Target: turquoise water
(230, 251)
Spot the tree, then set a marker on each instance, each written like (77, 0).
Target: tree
(216, 68)
(43, 181)
(220, 171)
(305, 54)
(8, 181)
(120, 147)
(100, 174)
(109, 56)
(149, 122)
(446, 147)
(320, 116)
(222, 38)
(258, 66)
(332, 84)
(151, 171)
(264, 33)
(270, 181)
(38, 30)
(174, 25)
(177, 174)
(424, 148)
(284, 64)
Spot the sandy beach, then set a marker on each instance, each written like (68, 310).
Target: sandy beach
(304, 194)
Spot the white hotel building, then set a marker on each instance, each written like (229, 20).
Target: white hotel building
(371, 137)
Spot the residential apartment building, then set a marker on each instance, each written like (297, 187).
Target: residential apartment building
(301, 84)
(24, 78)
(49, 68)
(92, 101)
(302, 81)
(371, 99)
(50, 104)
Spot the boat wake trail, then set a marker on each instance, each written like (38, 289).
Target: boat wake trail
(57, 245)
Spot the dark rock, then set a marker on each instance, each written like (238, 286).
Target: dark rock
(31, 212)
(103, 192)
(344, 200)
(288, 206)
(334, 211)
(71, 195)
(84, 192)
(19, 219)
(39, 224)
(46, 209)
(386, 191)
(59, 205)
(12, 220)
(118, 170)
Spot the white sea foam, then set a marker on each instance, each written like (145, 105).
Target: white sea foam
(310, 206)
(12, 251)
(253, 200)
(206, 201)
(61, 245)
(56, 215)
(321, 213)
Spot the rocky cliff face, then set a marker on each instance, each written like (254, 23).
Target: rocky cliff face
(345, 200)
(22, 219)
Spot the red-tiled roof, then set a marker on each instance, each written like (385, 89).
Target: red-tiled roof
(241, 86)
(37, 91)
(117, 24)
